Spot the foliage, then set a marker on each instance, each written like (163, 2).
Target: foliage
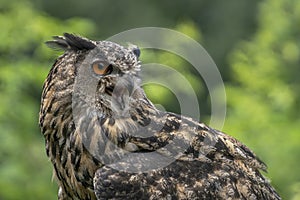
(24, 169)
(264, 98)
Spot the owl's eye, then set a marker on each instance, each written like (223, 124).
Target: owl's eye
(102, 67)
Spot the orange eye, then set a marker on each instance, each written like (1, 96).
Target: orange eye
(101, 67)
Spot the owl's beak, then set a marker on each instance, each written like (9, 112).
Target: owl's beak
(125, 85)
(123, 94)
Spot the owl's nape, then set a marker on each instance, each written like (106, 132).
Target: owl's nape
(106, 140)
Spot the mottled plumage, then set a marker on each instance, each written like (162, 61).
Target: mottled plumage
(106, 140)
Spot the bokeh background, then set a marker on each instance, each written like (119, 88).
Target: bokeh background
(255, 44)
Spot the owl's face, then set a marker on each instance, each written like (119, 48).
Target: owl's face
(107, 76)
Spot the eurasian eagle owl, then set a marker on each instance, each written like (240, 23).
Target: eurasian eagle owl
(106, 140)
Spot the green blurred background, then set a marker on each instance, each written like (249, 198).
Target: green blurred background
(255, 44)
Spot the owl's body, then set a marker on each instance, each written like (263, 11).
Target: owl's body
(106, 140)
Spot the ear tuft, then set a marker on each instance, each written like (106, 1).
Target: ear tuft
(135, 49)
(71, 41)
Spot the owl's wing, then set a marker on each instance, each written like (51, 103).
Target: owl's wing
(182, 180)
(184, 159)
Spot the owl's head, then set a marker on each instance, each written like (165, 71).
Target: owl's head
(105, 73)
(105, 58)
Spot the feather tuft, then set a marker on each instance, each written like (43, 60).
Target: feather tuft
(71, 42)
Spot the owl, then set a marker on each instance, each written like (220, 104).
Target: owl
(106, 140)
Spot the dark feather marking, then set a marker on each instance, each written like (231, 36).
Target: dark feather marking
(78, 43)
